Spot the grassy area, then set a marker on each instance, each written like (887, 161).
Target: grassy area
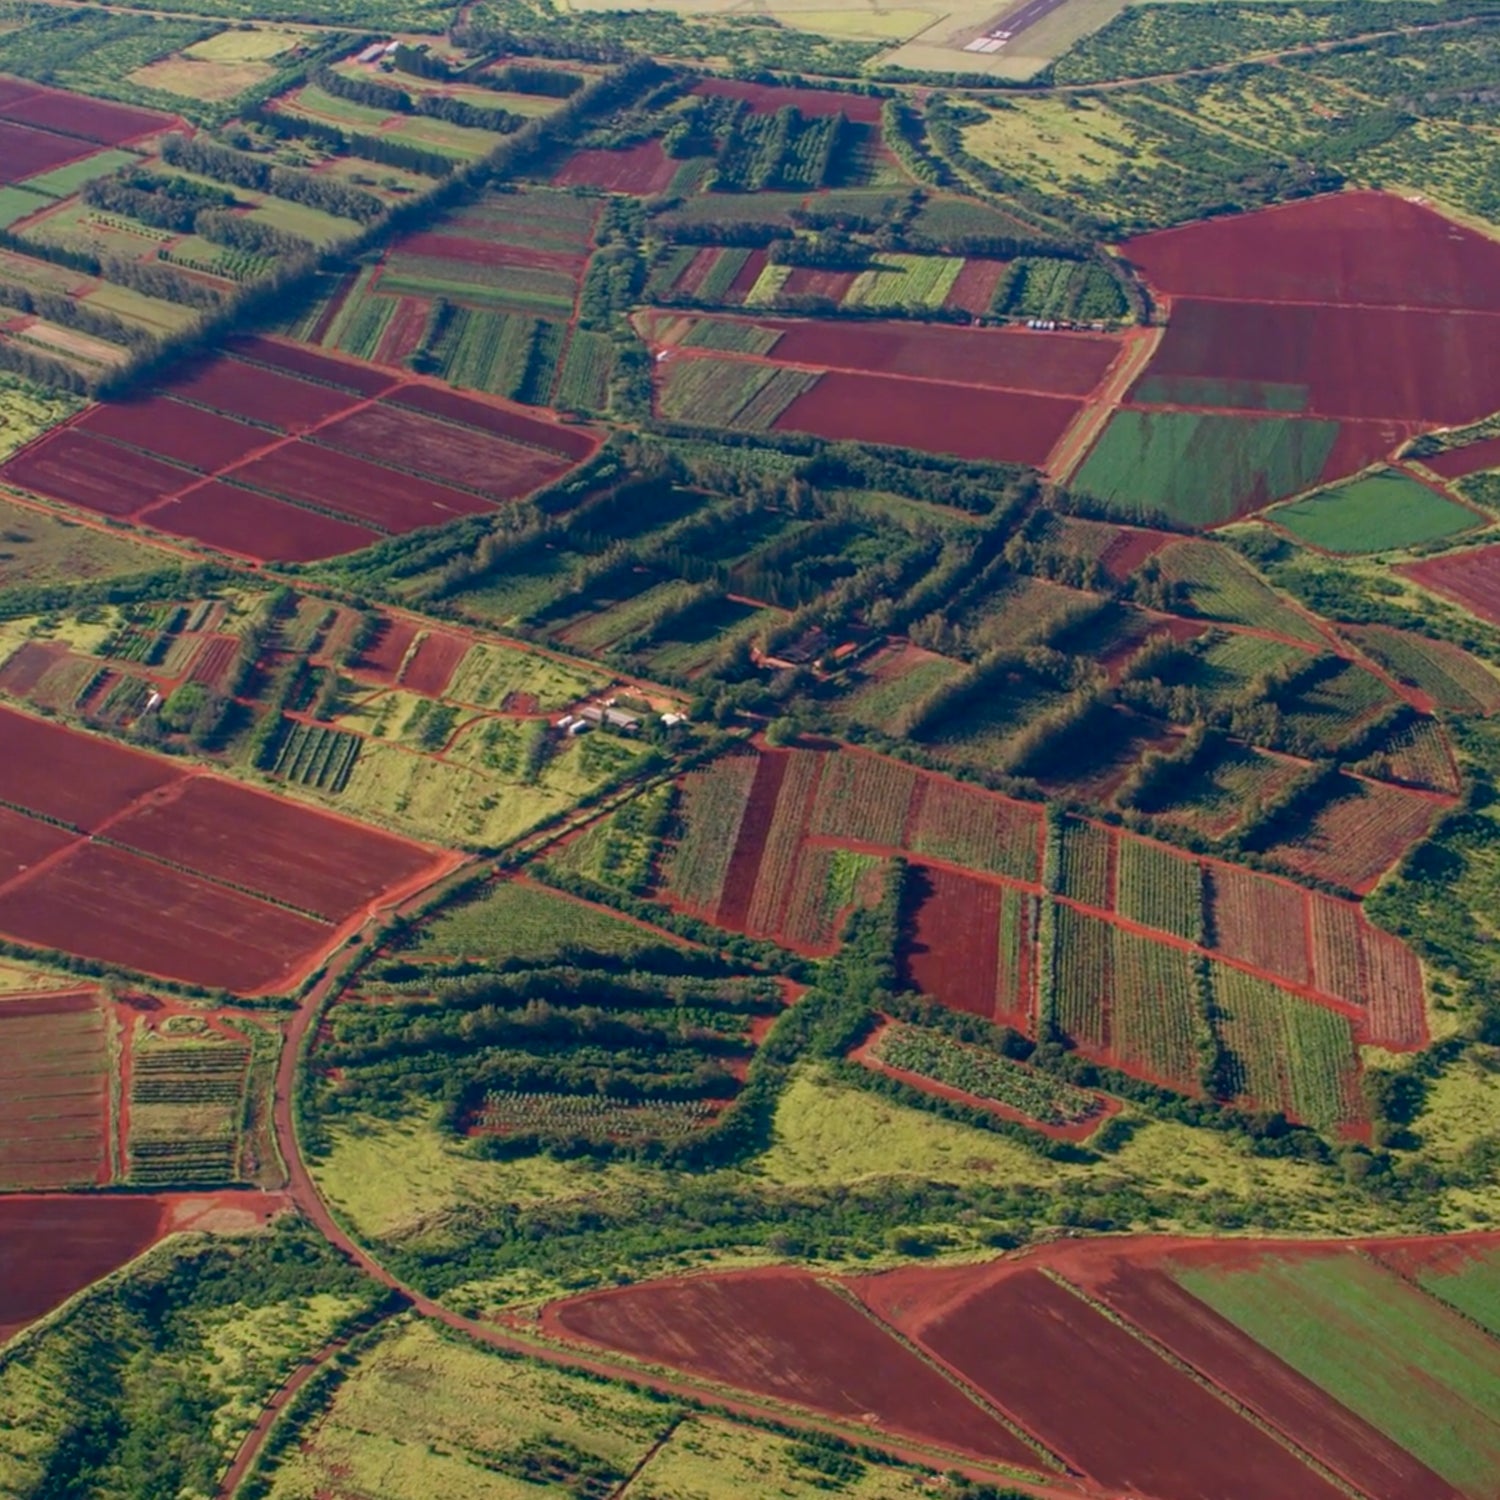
(1374, 514)
(391, 1179)
(490, 674)
(1424, 1377)
(425, 1414)
(27, 411)
(63, 182)
(256, 44)
(513, 921)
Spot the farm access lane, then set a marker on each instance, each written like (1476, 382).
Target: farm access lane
(304, 1194)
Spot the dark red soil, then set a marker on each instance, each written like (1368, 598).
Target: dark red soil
(1470, 578)
(384, 655)
(29, 665)
(814, 281)
(1262, 922)
(504, 421)
(693, 278)
(953, 953)
(1360, 444)
(297, 359)
(278, 849)
(80, 1238)
(1458, 462)
(403, 334)
(434, 662)
(441, 245)
(1429, 366)
(261, 395)
(362, 491)
(1055, 364)
(105, 904)
(1106, 1402)
(1130, 549)
(76, 114)
(25, 152)
(256, 526)
(25, 842)
(1155, 1303)
(643, 169)
(781, 1334)
(744, 863)
(975, 288)
(1362, 247)
(214, 659)
(465, 456)
(746, 277)
(766, 99)
(94, 474)
(71, 777)
(962, 420)
(174, 430)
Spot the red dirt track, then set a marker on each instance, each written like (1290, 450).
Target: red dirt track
(1359, 247)
(779, 1333)
(1005, 427)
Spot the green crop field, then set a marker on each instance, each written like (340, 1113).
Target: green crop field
(1472, 1285)
(905, 281)
(1202, 469)
(1422, 1375)
(1220, 585)
(1374, 514)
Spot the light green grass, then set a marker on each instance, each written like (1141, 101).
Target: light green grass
(17, 204)
(1405, 1364)
(1374, 514)
(63, 182)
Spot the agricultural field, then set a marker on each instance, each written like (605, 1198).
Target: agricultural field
(1378, 513)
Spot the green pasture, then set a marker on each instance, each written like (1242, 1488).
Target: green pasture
(1375, 513)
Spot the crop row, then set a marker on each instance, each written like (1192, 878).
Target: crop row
(986, 1075)
(311, 755)
(713, 807)
(590, 1115)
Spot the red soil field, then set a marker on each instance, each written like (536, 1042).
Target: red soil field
(403, 334)
(1103, 1400)
(1257, 1379)
(1356, 361)
(434, 662)
(1365, 247)
(1458, 462)
(12, 89)
(1357, 838)
(1261, 922)
(1395, 996)
(1471, 579)
(766, 99)
(1360, 444)
(692, 279)
(954, 950)
(213, 661)
(643, 169)
(975, 288)
(25, 842)
(76, 114)
(384, 655)
(25, 152)
(362, 491)
(278, 849)
(781, 1334)
(29, 665)
(747, 276)
(296, 359)
(744, 863)
(1055, 364)
(259, 395)
(1130, 549)
(814, 281)
(441, 245)
(94, 474)
(85, 1236)
(71, 777)
(456, 455)
(174, 430)
(105, 904)
(503, 421)
(962, 420)
(256, 526)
